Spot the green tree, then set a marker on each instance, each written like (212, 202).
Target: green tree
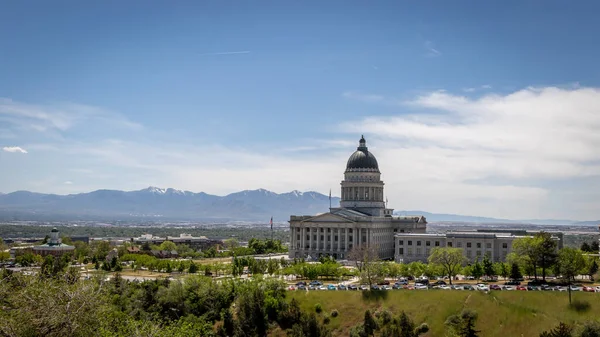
(502, 269)
(592, 268)
(547, 253)
(449, 259)
(369, 324)
(463, 325)
(585, 247)
(562, 330)
(528, 249)
(477, 270)
(168, 245)
(193, 268)
(488, 267)
(570, 264)
(515, 272)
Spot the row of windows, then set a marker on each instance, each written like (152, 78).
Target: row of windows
(488, 245)
(328, 230)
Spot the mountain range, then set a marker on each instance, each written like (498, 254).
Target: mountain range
(155, 203)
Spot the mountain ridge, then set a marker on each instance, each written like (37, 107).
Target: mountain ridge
(173, 204)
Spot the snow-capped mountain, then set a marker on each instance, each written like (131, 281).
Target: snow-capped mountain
(166, 203)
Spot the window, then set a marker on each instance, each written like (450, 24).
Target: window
(478, 253)
(449, 244)
(469, 253)
(321, 237)
(418, 251)
(307, 237)
(488, 245)
(468, 245)
(418, 243)
(427, 243)
(427, 251)
(328, 230)
(459, 244)
(409, 242)
(409, 251)
(322, 229)
(437, 243)
(401, 243)
(504, 245)
(336, 238)
(298, 237)
(478, 244)
(350, 231)
(315, 237)
(401, 251)
(350, 238)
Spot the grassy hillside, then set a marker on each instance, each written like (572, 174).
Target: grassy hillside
(501, 313)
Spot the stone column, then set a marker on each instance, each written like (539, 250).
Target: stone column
(318, 237)
(302, 238)
(337, 232)
(346, 242)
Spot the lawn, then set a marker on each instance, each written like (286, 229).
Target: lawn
(501, 313)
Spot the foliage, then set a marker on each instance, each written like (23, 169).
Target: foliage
(463, 325)
(365, 257)
(318, 308)
(515, 272)
(449, 259)
(334, 313)
(562, 330)
(580, 306)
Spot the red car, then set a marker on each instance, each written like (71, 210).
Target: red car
(589, 289)
(522, 288)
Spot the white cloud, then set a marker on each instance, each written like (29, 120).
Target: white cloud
(499, 147)
(14, 149)
(431, 50)
(57, 117)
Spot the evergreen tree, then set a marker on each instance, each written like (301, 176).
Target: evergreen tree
(593, 269)
(562, 330)
(370, 325)
(515, 272)
(193, 268)
(585, 247)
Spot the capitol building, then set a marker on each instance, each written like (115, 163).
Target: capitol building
(361, 220)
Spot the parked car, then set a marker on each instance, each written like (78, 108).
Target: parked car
(352, 287)
(291, 288)
(522, 288)
(322, 287)
(483, 287)
(331, 287)
(397, 286)
(363, 287)
(589, 289)
(341, 287)
(420, 286)
(512, 283)
(439, 283)
(509, 288)
(533, 288)
(301, 283)
(445, 287)
(468, 287)
(458, 287)
(495, 287)
(301, 287)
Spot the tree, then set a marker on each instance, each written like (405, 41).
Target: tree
(515, 272)
(167, 245)
(450, 260)
(193, 268)
(595, 247)
(231, 243)
(365, 258)
(527, 248)
(570, 263)
(463, 325)
(546, 251)
(562, 330)
(585, 247)
(369, 324)
(477, 270)
(501, 269)
(592, 268)
(488, 267)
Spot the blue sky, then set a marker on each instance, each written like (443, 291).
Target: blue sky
(472, 107)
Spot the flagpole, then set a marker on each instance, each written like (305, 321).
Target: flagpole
(271, 229)
(330, 199)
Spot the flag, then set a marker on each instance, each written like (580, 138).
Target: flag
(271, 222)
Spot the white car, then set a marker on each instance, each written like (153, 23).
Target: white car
(597, 289)
(483, 287)
(445, 287)
(420, 286)
(563, 288)
(322, 287)
(509, 288)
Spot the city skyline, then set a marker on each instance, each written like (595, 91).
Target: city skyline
(476, 109)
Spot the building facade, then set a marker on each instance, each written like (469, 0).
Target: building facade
(54, 246)
(361, 220)
(475, 245)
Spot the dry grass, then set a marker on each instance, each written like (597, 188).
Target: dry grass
(501, 313)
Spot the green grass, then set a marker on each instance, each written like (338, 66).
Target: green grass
(501, 313)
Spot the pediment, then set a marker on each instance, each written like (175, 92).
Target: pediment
(328, 217)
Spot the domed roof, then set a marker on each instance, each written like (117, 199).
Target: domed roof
(362, 159)
(54, 230)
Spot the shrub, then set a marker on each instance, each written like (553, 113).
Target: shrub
(326, 319)
(590, 329)
(580, 306)
(334, 313)
(318, 308)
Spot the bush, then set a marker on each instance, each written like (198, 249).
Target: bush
(318, 308)
(334, 313)
(580, 306)
(326, 319)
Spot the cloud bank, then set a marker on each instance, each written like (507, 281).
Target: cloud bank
(14, 149)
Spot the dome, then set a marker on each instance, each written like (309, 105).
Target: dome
(362, 159)
(54, 230)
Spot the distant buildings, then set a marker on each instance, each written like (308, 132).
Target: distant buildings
(362, 220)
(200, 242)
(497, 244)
(54, 246)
